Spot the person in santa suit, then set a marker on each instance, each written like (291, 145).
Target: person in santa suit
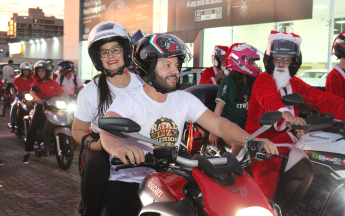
(282, 60)
(235, 90)
(215, 74)
(335, 82)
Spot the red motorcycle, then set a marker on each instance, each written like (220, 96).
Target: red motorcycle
(198, 186)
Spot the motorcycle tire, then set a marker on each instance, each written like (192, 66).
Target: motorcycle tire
(38, 154)
(2, 107)
(65, 159)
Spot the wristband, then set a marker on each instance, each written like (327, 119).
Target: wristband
(88, 143)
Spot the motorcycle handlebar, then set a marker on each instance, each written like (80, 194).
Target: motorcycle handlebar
(181, 160)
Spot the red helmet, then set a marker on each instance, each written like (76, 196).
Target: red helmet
(238, 57)
(339, 45)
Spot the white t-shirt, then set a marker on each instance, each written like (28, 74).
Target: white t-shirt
(68, 85)
(160, 121)
(7, 72)
(88, 98)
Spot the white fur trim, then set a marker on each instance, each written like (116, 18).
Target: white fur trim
(215, 70)
(289, 37)
(213, 80)
(293, 138)
(336, 66)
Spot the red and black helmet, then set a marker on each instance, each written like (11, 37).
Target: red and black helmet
(339, 46)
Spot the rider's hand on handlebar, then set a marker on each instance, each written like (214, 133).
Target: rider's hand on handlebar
(213, 139)
(293, 119)
(134, 154)
(269, 147)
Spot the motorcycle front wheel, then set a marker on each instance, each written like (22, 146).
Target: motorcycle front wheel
(65, 158)
(2, 107)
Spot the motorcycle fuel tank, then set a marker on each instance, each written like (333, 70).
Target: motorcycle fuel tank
(161, 187)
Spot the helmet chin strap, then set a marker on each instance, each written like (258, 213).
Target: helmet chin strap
(110, 74)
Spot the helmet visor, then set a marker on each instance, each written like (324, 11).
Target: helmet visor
(219, 52)
(166, 46)
(282, 47)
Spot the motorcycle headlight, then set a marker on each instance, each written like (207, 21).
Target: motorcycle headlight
(71, 107)
(60, 104)
(254, 211)
(28, 97)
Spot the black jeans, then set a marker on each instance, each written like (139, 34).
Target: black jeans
(94, 181)
(36, 122)
(121, 198)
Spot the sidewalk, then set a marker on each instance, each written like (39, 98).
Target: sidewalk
(37, 188)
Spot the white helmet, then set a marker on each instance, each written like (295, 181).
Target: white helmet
(105, 32)
(25, 65)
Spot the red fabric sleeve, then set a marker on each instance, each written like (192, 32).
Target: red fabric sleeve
(335, 84)
(16, 81)
(206, 76)
(265, 91)
(57, 87)
(327, 102)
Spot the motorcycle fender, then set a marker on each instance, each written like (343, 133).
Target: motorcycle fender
(168, 208)
(63, 130)
(295, 156)
(58, 118)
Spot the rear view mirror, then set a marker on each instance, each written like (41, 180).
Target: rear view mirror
(293, 99)
(270, 118)
(36, 89)
(116, 125)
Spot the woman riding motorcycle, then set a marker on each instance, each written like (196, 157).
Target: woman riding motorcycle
(235, 90)
(110, 49)
(48, 88)
(22, 84)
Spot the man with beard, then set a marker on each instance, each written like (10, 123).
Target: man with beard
(282, 60)
(215, 74)
(161, 113)
(335, 82)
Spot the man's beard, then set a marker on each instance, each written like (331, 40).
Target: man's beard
(282, 79)
(162, 82)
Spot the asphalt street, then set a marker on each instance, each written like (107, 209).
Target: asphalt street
(37, 188)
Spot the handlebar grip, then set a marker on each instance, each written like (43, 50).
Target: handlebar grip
(117, 161)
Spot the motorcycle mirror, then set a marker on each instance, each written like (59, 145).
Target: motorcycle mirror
(293, 99)
(116, 125)
(36, 89)
(270, 118)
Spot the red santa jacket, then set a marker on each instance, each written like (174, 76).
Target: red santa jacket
(335, 82)
(207, 76)
(265, 97)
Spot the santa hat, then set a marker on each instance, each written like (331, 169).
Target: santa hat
(337, 40)
(285, 36)
(223, 48)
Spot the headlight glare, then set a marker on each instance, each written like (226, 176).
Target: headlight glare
(60, 104)
(28, 97)
(254, 211)
(71, 107)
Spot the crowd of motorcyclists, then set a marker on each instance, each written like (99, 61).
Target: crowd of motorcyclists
(149, 97)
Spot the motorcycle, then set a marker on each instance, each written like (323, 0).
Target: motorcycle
(24, 102)
(59, 114)
(313, 176)
(202, 186)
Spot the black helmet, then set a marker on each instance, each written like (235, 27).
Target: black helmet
(45, 65)
(51, 62)
(283, 44)
(27, 66)
(105, 32)
(65, 67)
(152, 47)
(339, 46)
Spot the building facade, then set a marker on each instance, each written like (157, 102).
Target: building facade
(34, 26)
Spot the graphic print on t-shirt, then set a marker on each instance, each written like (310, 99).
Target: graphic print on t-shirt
(164, 130)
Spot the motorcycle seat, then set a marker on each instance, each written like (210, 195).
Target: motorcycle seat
(206, 93)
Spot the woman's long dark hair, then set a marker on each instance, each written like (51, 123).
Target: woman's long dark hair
(106, 97)
(241, 80)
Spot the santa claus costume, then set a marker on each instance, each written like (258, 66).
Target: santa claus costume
(267, 96)
(209, 74)
(335, 82)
